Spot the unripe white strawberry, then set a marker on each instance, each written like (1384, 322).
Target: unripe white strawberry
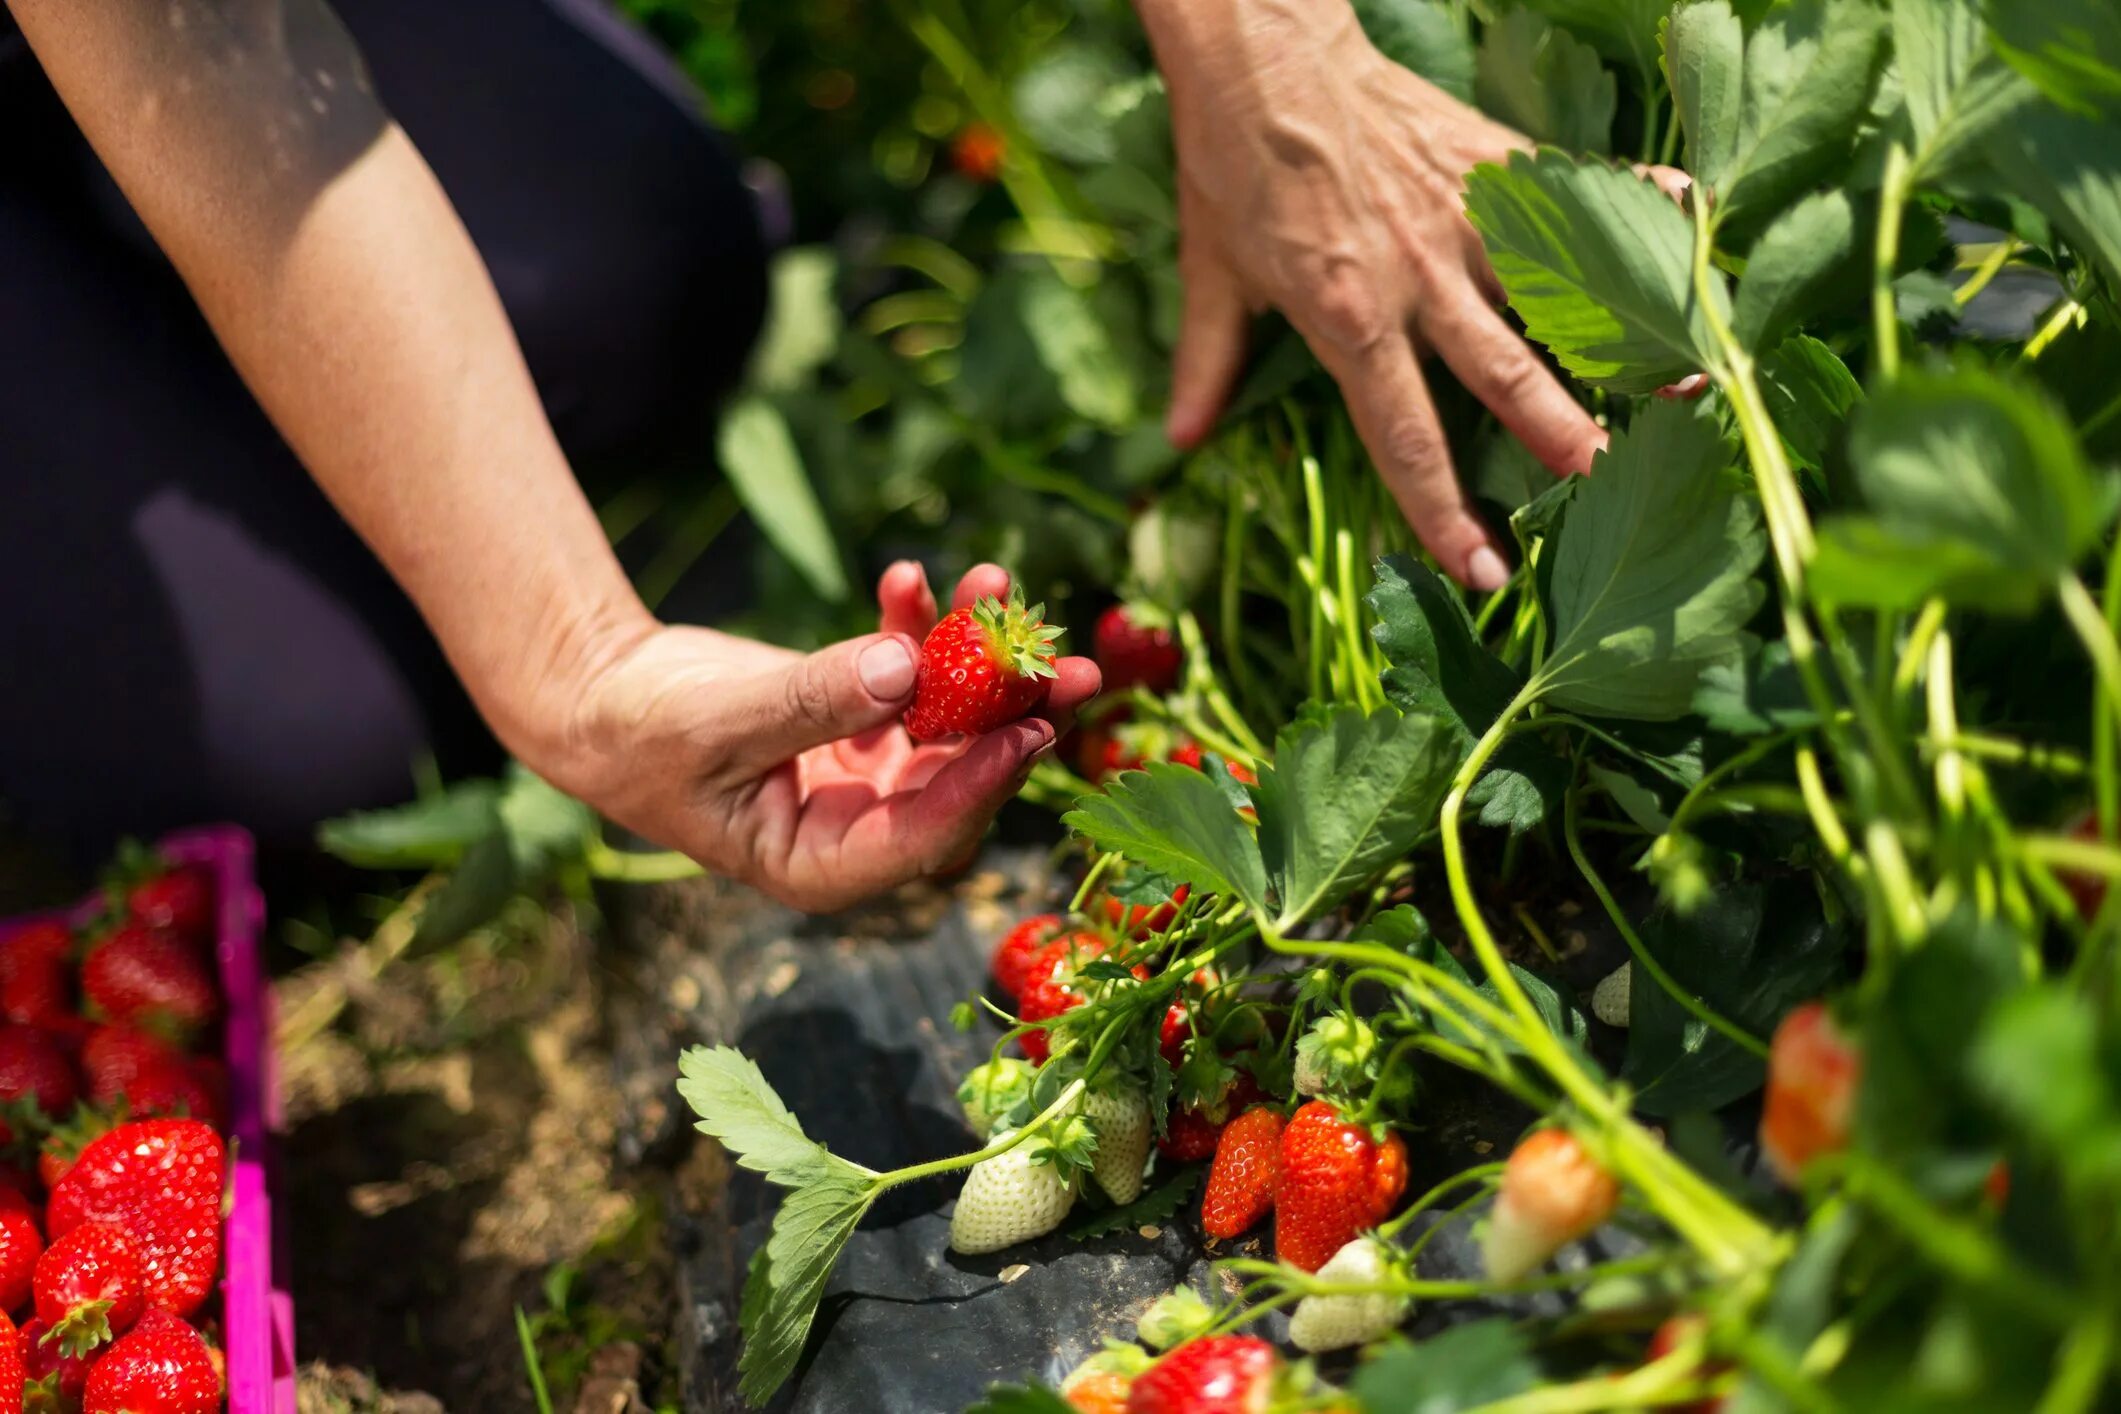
(1323, 1323)
(1609, 1001)
(1008, 1199)
(991, 1090)
(1122, 1120)
(1553, 1192)
(1332, 1054)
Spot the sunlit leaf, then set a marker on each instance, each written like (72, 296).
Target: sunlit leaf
(1546, 84)
(759, 455)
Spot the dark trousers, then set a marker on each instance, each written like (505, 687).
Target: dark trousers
(187, 630)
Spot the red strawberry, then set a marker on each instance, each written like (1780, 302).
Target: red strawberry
(159, 1180)
(12, 1375)
(1245, 1174)
(57, 1380)
(2087, 890)
(977, 152)
(47, 939)
(162, 1366)
(1192, 1131)
(36, 975)
(89, 1287)
(1337, 1182)
(1553, 1192)
(1104, 752)
(1813, 1070)
(1013, 954)
(172, 1090)
(1678, 1331)
(1217, 1374)
(1132, 652)
(179, 900)
(115, 1057)
(151, 980)
(1142, 919)
(1049, 987)
(981, 668)
(20, 1247)
(37, 1081)
(62, 1146)
(1172, 1034)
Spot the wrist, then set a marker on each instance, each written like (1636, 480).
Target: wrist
(534, 694)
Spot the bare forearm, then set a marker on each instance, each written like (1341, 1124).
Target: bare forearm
(349, 296)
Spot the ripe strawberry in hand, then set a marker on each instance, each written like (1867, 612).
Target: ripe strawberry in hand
(1012, 955)
(178, 900)
(1553, 1192)
(982, 668)
(1133, 650)
(1337, 1182)
(159, 1181)
(89, 1287)
(1813, 1071)
(151, 980)
(1217, 1374)
(162, 1366)
(1245, 1175)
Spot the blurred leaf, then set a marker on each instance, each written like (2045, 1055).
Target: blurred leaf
(1468, 1366)
(473, 895)
(1751, 952)
(1811, 395)
(1793, 264)
(1621, 29)
(2043, 1064)
(1423, 36)
(1405, 930)
(1756, 693)
(1077, 349)
(1545, 84)
(1599, 265)
(426, 834)
(1003, 380)
(759, 456)
(1508, 474)
(1343, 799)
(2071, 49)
(1976, 491)
(803, 321)
(1652, 570)
(1060, 102)
(1957, 89)
(2069, 167)
(545, 827)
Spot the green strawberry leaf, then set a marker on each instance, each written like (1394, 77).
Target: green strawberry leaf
(1439, 669)
(759, 456)
(1755, 693)
(1466, 1367)
(1545, 84)
(1156, 1206)
(1977, 491)
(1793, 267)
(1625, 30)
(2070, 167)
(1078, 350)
(1771, 114)
(429, 833)
(1404, 929)
(473, 895)
(1811, 395)
(1421, 35)
(1176, 821)
(1957, 88)
(1599, 264)
(1652, 570)
(1345, 798)
(1021, 1399)
(788, 1276)
(2071, 49)
(736, 1105)
(545, 827)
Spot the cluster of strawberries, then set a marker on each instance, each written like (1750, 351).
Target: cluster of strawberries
(111, 1188)
(1134, 650)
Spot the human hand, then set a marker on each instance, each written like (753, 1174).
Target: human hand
(1320, 178)
(792, 772)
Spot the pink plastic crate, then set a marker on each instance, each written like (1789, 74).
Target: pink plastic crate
(257, 1313)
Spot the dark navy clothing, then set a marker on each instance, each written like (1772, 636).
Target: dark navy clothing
(187, 630)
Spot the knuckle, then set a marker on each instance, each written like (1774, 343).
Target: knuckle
(808, 696)
(1347, 309)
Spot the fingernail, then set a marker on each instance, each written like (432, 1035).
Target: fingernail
(1486, 570)
(886, 669)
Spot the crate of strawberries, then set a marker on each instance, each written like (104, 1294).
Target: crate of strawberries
(136, 1254)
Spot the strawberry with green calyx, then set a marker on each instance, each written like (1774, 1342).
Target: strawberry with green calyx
(1334, 1057)
(1018, 1195)
(1554, 1191)
(154, 981)
(160, 1366)
(1011, 964)
(56, 1381)
(1134, 647)
(1245, 1176)
(158, 1181)
(21, 1247)
(1102, 1383)
(982, 668)
(89, 1288)
(1322, 1323)
(1338, 1180)
(37, 1082)
(1217, 1374)
(992, 1090)
(1194, 1128)
(1813, 1072)
(1174, 1318)
(1119, 1113)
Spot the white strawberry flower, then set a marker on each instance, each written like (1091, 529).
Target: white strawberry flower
(1122, 1121)
(1609, 1000)
(1008, 1199)
(1323, 1323)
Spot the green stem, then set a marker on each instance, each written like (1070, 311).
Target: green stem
(1644, 959)
(2098, 638)
(1892, 215)
(624, 867)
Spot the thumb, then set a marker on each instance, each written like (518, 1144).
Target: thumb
(825, 697)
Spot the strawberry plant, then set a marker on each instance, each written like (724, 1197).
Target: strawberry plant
(1811, 689)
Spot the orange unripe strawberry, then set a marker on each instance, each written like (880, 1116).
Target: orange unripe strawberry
(1553, 1192)
(1813, 1071)
(981, 668)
